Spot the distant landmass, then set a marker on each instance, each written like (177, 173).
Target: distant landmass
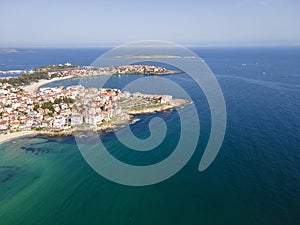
(153, 56)
(8, 50)
(67, 70)
(12, 50)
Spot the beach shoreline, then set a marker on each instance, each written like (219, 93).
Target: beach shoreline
(176, 103)
(11, 136)
(106, 128)
(35, 86)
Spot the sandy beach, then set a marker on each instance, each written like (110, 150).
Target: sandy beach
(11, 136)
(30, 88)
(35, 86)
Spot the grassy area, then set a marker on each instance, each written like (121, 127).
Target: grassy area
(138, 102)
(26, 79)
(140, 108)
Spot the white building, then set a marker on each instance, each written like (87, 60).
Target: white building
(4, 125)
(76, 120)
(59, 122)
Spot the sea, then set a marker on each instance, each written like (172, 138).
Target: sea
(254, 180)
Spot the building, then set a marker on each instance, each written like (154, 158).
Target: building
(4, 125)
(76, 120)
(59, 122)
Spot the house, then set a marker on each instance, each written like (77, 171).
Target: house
(90, 119)
(59, 122)
(106, 115)
(46, 123)
(92, 110)
(76, 120)
(165, 99)
(27, 122)
(15, 124)
(3, 125)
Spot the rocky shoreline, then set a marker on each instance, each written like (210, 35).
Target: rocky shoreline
(176, 103)
(149, 104)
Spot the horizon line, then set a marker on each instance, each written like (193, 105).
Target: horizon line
(188, 45)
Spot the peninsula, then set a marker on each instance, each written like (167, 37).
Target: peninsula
(25, 110)
(32, 79)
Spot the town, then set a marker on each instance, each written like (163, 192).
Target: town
(69, 69)
(60, 109)
(25, 77)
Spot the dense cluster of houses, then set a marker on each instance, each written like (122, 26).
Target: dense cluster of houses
(92, 71)
(77, 106)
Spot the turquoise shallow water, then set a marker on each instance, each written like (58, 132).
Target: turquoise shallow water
(255, 179)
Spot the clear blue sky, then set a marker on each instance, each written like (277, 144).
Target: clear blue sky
(110, 22)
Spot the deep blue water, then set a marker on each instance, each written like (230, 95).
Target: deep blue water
(31, 58)
(255, 179)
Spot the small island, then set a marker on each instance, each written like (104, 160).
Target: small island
(63, 110)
